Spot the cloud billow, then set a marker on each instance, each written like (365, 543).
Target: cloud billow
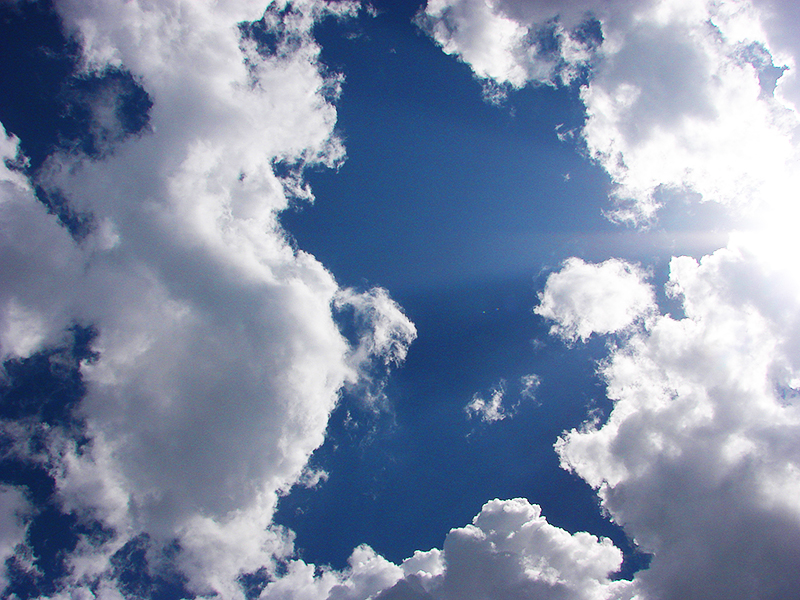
(678, 94)
(696, 460)
(217, 357)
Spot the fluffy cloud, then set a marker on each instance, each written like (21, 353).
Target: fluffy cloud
(505, 49)
(218, 357)
(584, 298)
(699, 459)
(368, 574)
(38, 261)
(509, 551)
(681, 94)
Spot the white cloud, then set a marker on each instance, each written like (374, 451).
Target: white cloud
(675, 103)
(219, 358)
(367, 575)
(584, 298)
(38, 262)
(509, 551)
(679, 95)
(530, 383)
(482, 37)
(383, 331)
(498, 406)
(502, 47)
(699, 459)
(491, 410)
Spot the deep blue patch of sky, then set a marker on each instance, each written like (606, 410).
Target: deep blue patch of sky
(459, 208)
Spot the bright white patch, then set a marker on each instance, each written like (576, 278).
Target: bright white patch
(584, 298)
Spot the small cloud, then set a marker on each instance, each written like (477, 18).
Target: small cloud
(563, 134)
(491, 410)
(311, 478)
(498, 407)
(493, 92)
(529, 383)
(584, 298)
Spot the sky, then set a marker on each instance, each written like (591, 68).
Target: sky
(399, 300)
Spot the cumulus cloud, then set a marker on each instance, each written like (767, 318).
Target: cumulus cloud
(584, 298)
(698, 460)
(503, 49)
(217, 356)
(366, 576)
(509, 551)
(682, 93)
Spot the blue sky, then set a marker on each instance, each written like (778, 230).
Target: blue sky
(399, 300)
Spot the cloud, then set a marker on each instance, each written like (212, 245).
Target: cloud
(509, 551)
(584, 298)
(14, 510)
(218, 355)
(504, 48)
(530, 383)
(382, 337)
(38, 262)
(491, 410)
(699, 459)
(681, 95)
(498, 407)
